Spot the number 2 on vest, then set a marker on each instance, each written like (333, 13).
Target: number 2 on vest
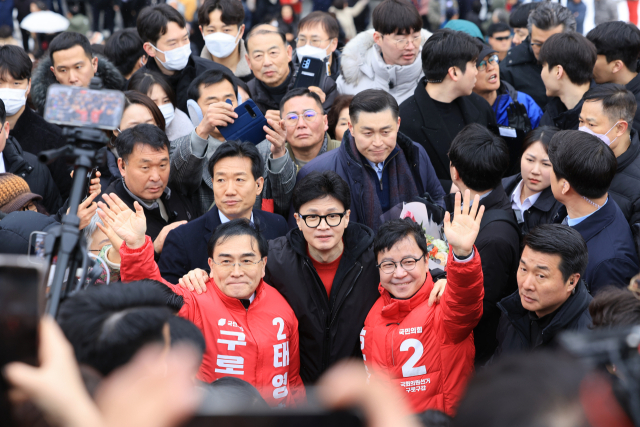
(409, 369)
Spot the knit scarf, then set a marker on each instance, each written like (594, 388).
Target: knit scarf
(402, 187)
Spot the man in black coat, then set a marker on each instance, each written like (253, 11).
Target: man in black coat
(236, 170)
(31, 130)
(521, 68)
(478, 161)
(618, 47)
(25, 165)
(551, 296)
(567, 62)
(166, 41)
(444, 102)
(146, 173)
(270, 59)
(608, 113)
(16, 229)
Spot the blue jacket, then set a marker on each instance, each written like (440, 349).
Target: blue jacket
(347, 164)
(503, 101)
(186, 247)
(612, 254)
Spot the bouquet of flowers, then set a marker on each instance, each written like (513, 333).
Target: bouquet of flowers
(437, 247)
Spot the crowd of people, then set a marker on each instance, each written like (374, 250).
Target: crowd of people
(412, 235)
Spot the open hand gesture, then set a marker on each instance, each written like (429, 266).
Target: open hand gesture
(122, 221)
(463, 230)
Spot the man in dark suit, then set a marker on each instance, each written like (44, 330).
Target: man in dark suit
(444, 102)
(583, 168)
(478, 161)
(236, 171)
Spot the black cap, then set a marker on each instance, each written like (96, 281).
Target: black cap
(486, 50)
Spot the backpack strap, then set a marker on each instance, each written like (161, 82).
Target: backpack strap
(513, 93)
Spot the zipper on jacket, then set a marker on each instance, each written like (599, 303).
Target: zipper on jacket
(353, 283)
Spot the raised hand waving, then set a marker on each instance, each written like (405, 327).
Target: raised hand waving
(463, 230)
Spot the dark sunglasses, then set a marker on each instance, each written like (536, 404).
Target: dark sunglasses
(501, 39)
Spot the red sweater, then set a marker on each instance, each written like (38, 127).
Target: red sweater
(327, 272)
(258, 344)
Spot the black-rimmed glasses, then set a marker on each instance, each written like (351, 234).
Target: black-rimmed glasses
(408, 264)
(332, 219)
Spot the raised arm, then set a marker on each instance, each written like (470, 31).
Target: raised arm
(462, 302)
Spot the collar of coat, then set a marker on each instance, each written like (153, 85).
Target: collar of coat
(360, 58)
(569, 312)
(521, 54)
(400, 308)
(545, 202)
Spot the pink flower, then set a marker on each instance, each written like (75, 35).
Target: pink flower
(408, 214)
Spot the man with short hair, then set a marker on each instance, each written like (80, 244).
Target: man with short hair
(567, 62)
(26, 165)
(383, 167)
(426, 352)
(71, 63)
(325, 269)
(387, 58)
(306, 126)
(479, 159)
(518, 21)
(216, 95)
(511, 108)
(32, 132)
(146, 175)
(124, 49)
(221, 23)
(318, 38)
(583, 168)
(236, 174)
(270, 57)
(443, 103)
(608, 113)
(618, 47)
(499, 35)
(164, 33)
(521, 68)
(250, 331)
(551, 296)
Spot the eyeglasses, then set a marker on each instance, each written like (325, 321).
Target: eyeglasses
(408, 264)
(403, 43)
(291, 119)
(493, 59)
(301, 41)
(332, 219)
(244, 264)
(501, 39)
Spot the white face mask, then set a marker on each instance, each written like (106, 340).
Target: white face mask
(311, 52)
(221, 45)
(14, 100)
(177, 58)
(168, 112)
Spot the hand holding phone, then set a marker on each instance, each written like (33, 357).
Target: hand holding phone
(218, 114)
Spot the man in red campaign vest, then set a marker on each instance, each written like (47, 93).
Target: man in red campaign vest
(427, 351)
(250, 330)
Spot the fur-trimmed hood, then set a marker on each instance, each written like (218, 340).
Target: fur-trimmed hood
(354, 62)
(43, 78)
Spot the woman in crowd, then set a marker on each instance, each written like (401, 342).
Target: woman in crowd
(530, 191)
(155, 87)
(338, 116)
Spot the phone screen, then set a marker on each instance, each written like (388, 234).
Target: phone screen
(79, 106)
(19, 311)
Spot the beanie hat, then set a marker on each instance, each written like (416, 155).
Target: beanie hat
(14, 193)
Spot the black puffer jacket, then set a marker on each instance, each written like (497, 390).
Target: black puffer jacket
(16, 229)
(520, 68)
(43, 78)
(26, 166)
(329, 326)
(515, 324)
(556, 114)
(625, 187)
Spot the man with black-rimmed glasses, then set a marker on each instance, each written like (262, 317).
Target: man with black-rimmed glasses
(326, 270)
